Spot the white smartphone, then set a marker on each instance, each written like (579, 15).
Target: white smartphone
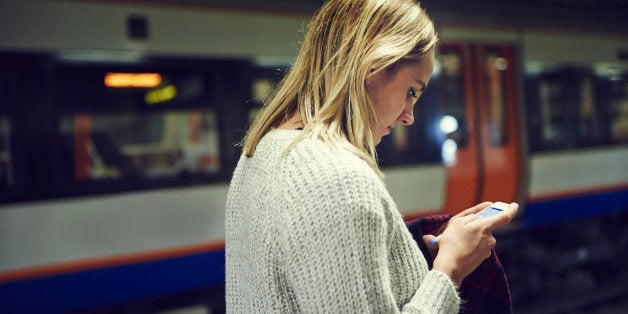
(492, 210)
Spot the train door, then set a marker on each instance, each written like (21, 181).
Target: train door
(459, 150)
(500, 142)
(483, 150)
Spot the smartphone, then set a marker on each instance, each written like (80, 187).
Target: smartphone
(493, 210)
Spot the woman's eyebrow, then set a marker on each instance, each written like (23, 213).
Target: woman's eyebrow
(423, 85)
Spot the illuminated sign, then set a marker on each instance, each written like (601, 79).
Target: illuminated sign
(132, 80)
(163, 94)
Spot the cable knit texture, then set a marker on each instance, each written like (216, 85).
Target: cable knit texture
(317, 231)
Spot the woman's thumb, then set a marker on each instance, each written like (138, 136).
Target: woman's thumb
(431, 241)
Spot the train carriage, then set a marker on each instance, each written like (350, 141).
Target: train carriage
(119, 125)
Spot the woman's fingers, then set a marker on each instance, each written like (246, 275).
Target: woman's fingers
(503, 218)
(466, 219)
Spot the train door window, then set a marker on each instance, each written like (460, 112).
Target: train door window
(451, 96)
(139, 125)
(618, 109)
(7, 178)
(494, 71)
(7, 160)
(588, 126)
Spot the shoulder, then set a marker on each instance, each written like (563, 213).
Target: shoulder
(329, 160)
(323, 170)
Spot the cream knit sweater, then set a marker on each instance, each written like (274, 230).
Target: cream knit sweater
(316, 231)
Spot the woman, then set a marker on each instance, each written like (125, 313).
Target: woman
(310, 225)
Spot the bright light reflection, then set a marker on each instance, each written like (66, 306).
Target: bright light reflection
(501, 64)
(448, 152)
(437, 67)
(448, 124)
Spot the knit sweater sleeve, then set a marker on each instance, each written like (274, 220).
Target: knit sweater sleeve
(337, 253)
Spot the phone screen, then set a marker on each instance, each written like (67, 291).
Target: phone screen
(488, 212)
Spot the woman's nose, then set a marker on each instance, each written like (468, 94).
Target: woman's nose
(407, 118)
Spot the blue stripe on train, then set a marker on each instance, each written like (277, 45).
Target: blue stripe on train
(111, 286)
(574, 208)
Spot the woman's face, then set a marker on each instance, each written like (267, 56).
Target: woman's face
(394, 94)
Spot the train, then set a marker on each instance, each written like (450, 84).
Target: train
(120, 125)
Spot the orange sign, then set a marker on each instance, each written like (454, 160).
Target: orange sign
(132, 80)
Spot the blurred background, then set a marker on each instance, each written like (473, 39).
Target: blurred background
(119, 125)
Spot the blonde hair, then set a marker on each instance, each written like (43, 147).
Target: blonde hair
(347, 40)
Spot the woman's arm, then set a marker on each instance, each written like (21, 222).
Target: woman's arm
(337, 258)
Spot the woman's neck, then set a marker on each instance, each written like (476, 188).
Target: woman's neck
(294, 122)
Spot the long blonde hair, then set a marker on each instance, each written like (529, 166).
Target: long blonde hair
(347, 40)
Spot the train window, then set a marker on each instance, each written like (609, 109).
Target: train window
(494, 67)
(550, 109)
(265, 80)
(142, 146)
(138, 124)
(553, 111)
(417, 143)
(566, 108)
(414, 144)
(261, 89)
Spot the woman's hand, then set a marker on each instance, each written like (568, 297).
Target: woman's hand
(467, 241)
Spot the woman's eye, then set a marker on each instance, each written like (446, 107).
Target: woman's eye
(412, 93)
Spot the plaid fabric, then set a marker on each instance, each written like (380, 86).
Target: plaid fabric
(486, 289)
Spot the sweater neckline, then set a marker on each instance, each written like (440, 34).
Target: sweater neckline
(282, 133)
